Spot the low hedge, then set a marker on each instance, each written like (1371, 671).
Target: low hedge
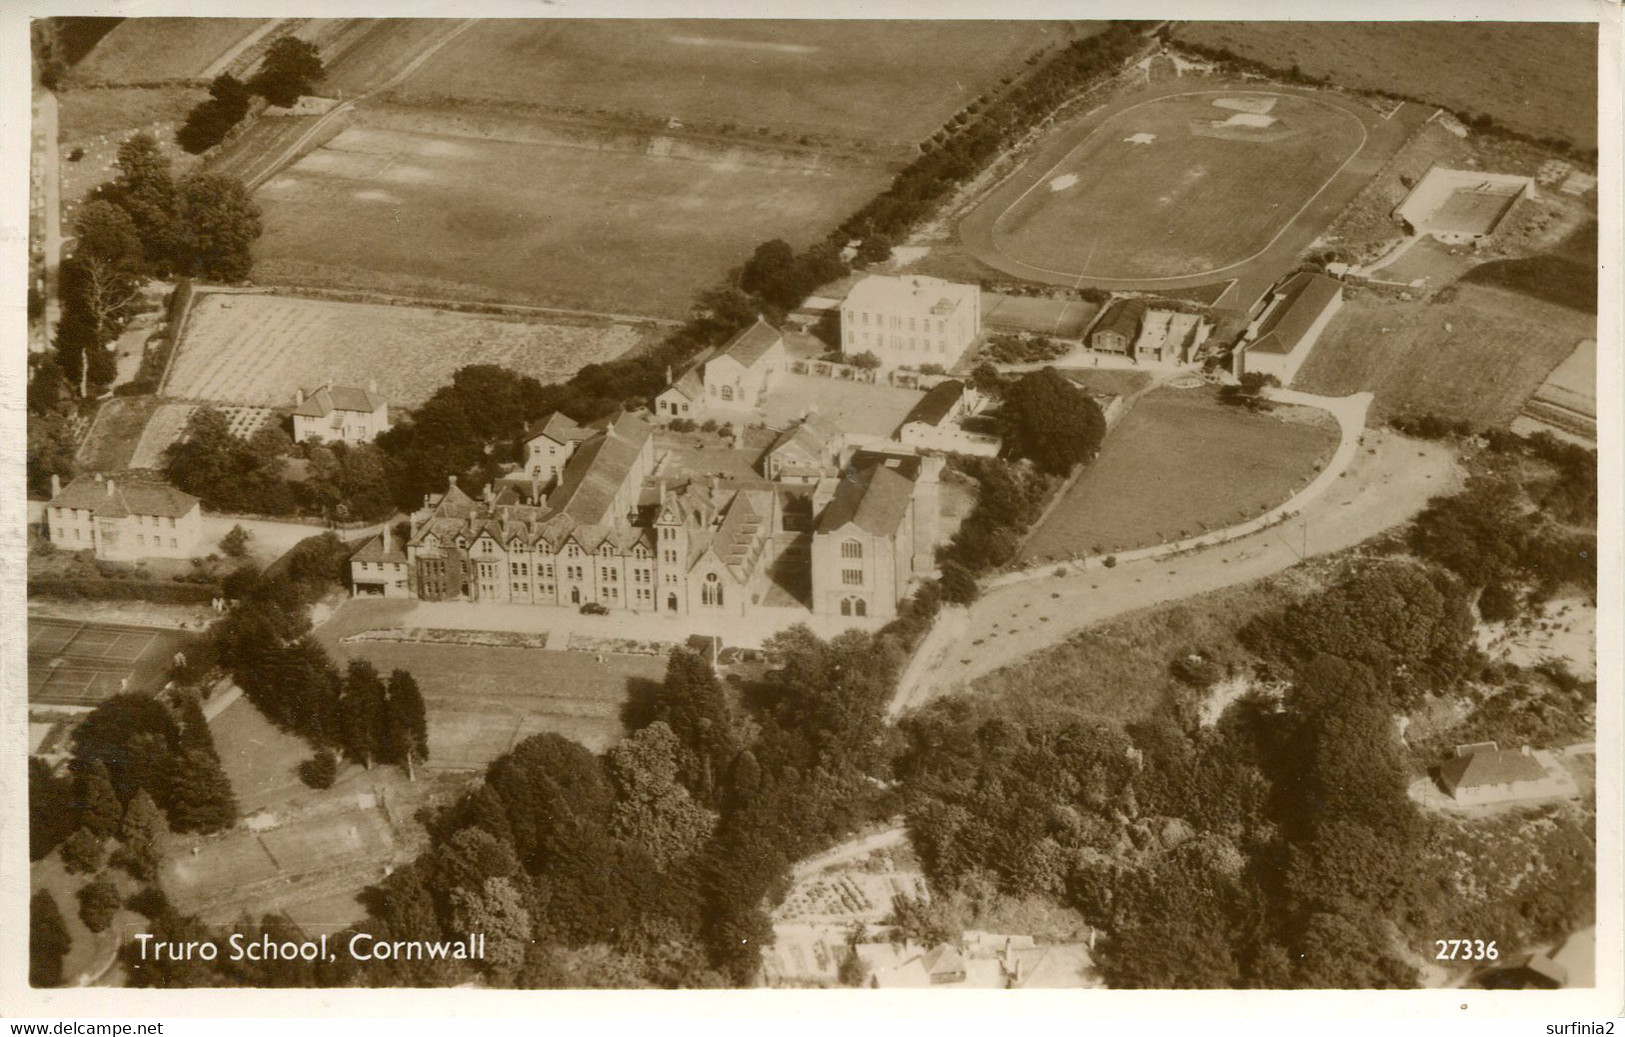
(163, 592)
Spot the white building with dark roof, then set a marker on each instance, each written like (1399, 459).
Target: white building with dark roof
(1286, 331)
(911, 320)
(381, 568)
(339, 414)
(1487, 773)
(726, 382)
(123, 521)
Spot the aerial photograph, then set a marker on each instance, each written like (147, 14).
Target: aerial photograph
(583, 503)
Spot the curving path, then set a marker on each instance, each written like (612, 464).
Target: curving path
(1377, 483)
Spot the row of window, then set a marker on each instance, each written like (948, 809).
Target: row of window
(157, 541)
(897, 322)
(899, 342)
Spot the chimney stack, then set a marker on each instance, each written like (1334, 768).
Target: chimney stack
(451, 482)
(298, 397)
(56, 485)
(372, 386)
(386, 538)
(110, 487)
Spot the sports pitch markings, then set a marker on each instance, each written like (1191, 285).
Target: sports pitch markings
(1286, 225)
(73, 663)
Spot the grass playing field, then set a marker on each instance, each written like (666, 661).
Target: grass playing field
(1477, 356)
(524, 211)
(241, 348)
(1538, 78)
(815, 77)
(1179, 186)
(1179, 463)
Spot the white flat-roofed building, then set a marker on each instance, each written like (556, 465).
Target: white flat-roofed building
(910, 321)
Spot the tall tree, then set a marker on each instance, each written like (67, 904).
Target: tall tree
(48, 940)
(108, 733)
(218, 225)
(363, 710)
(291, 68)
(97, 805)
(1051, 421)
(145, 188)
(52, 809)
(407, 722)
(200, 795)
(140, 832)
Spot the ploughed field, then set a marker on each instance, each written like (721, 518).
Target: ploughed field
(875, 80)
(524, 210)
(257, 349)
(1180, 185)
(1536, 78)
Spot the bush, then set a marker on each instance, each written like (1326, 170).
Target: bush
(160, 591)
(235, 543)
(1498, 603)
(98, 903)
(865, 361)
(682, 425)
(1110, 562)
(82, 853)
(321, 770)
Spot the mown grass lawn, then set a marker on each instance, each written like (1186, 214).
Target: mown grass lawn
(1181, 463)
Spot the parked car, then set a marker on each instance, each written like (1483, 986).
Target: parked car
(593, 608)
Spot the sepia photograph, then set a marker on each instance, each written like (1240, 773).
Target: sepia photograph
(989, 502)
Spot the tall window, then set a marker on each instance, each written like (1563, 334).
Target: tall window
(852, 577)
(727, 392)
(851, 549)
(711, 591)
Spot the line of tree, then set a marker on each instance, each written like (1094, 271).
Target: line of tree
(142, 224)
(653, 864)
(265, 643)
(290, 69)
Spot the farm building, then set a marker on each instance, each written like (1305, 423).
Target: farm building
(123, 521)
(1118, 327)
(1283, 336)
(614, 534)
(1488, 774)
(910, 320)
(380, 568)
(726, 382)
(339, 414)
(936, 422)
(1461, 206)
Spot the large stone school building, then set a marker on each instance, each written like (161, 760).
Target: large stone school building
(615, 526)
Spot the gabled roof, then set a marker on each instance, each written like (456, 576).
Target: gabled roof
(319, 403)
(875, 499)
(373, 551)
(752, 344)
(809, 437)
(597, 471)
(1122, 316)
(1490, 767)
(560, 428)
(1303, 298)
(92, 493)
(936, 404)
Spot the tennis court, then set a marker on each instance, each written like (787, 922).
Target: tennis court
(80, 664)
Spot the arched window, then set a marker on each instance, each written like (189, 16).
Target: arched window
(860, 607)
(851, 549)
(846, 606)
(711, 591)
(727, 392)
(671, 603)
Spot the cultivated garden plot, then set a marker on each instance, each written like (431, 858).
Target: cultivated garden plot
(258, 349)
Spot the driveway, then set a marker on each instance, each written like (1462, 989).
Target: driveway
(1389, 479)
